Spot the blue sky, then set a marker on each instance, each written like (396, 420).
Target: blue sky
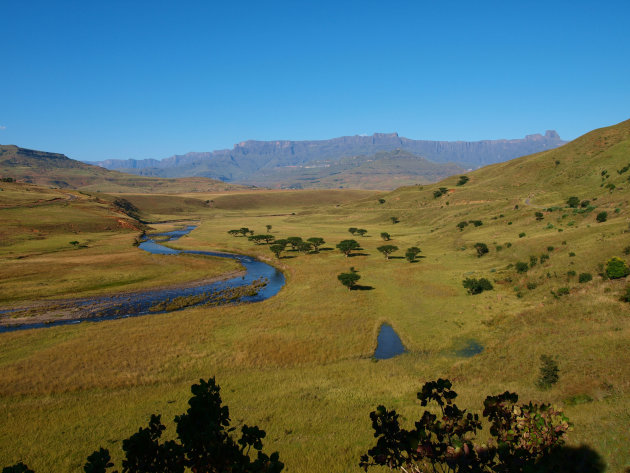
(132, 79)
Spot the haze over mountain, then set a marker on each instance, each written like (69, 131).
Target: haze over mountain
(257, 162)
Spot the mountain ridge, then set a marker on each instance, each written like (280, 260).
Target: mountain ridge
(246, 158)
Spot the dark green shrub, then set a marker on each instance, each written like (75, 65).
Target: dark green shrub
(532, 261)
(543, 258)
(349, 279)
(521, 267)
(626, 295)
(571, 274)
(602, 217)
(616, 268)
(550, 248)
(571, 254)
(381, 201)
(462, 225)
(585, 203)
(531, 286)
(585, 277)
(548, 372)
(463, 180)
(476, 223)
(573, 201)
(521, 235)
(481, 248)
(539, 215)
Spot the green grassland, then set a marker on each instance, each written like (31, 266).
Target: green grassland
(300, 366)
(38, 260)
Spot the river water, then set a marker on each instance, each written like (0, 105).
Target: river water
(101, 308)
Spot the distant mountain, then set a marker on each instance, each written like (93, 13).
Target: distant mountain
(382, 170)
(57, 170)
(249, 160)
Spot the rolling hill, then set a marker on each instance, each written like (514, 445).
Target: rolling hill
(56, 170)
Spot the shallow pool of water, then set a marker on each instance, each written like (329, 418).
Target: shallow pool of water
(388, 343)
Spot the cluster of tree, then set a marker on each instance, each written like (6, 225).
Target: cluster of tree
(440, 192)
(357, 231)
(297, 244)
(243, 231)
(204, 443)
(523, 436)
(616, 268)
(463, 224)
(477, 286)
(7, 179)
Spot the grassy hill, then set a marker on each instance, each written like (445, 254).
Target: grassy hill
(300, 366)
(57, 170)
(383, 170)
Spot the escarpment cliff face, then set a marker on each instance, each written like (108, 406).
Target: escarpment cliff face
(246, 159)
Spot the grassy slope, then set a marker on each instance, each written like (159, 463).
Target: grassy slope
(38, 261)
(52, 169)
(298, 365)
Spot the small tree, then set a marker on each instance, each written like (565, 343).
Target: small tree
(481, 248)
(349, 279)
(268, 227)
(304, 247)
(463, 180)
(539, 216)
(387, 250)
(548, 372)
(602, 217)
(316, 242)
(258, 239)
(361, 231)
(294, 242)
(462, 225)
(244, 231)
(385, 236)
(616, 268)
(234, 233)
(352, 230)
(348, 246)
(394, 219)
(573, 201)
(381, 201)
(276, 250)
(412, 253)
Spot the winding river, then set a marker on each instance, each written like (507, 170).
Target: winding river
(101, 308)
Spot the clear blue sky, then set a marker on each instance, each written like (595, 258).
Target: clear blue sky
(132, 79)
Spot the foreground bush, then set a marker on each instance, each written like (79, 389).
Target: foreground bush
(521, 435)
(616, 268)
(477, 286)
(204, 443)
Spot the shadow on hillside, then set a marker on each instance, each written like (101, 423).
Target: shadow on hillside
(582, 459)
(361, 288)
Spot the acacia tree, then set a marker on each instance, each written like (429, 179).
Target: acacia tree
(412, 253)
(258, 239)
(361, 231)
(244, 231)
(234, 232)
(268, 227)
(522, 435)
(348, 246)
(352, 230)
(386, 236)
(294, 242)
(349, 279)
(304, 247)
(316, 242)
(277, 249)
(387, 250)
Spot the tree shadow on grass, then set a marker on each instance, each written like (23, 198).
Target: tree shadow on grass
(352, 255)
(326, 249)
(582, 459)
(396, 257)
(287, 257)
(358, 287)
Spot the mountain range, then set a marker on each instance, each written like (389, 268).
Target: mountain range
(290, 163)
